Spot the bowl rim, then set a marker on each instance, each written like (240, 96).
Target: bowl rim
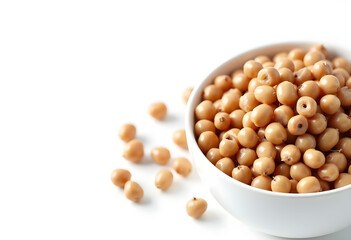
(189, 125)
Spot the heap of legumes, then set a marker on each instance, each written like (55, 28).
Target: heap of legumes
(134, 152)
(281, 124)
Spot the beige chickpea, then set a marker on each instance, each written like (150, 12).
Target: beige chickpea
(251, 68)
(282, 114)
(329, 84)
(314, 158)
(287, 93)
(160, 155)
(226, 165)
(120, 176)
(163, 179)
(299, 171)
(196, 207)
(306, 106)
(262, 115)
(344, 96)
(158, 110)
(133, 191)
(282, 169)
(207, 140)
(308, 184)
(127, 132)
(182, 166)
(247, 137)
(205, 110)
(266, 149)
(134, 151)
(338, 159)
(328, 139)
(246, 156)
(248, 102)
(265, 94)
(230, 100)
(242, 173)
(280, 183)
(179, 138)
(340, 62)
(241, 82)
(296, 54)
(203, 126)
(305, 141)
(264, 165)
(321, 68)
(224, 82)
(317, 124)
(262, 182)
(213, 155)
(312, 57)
(297, 125)
(310, 89)
(302, 75)
(328, 172)
(290, 154)
(236, 118)
(344, 146)
(286, 75)
(344, 179)
(268, 76)
(276, 133)
(186, 94)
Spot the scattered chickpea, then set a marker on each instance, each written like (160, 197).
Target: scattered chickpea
(158, 110)
(179, 139)
(133, 191)
(160, 155)
(134, 151)
(127, 132)
(186, 94)
(163, 179)
(196, 207)
(120, 176)
(182, 166)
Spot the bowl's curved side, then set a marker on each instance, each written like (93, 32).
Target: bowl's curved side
(285, 215)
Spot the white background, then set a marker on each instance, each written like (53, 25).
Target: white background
(72, 72)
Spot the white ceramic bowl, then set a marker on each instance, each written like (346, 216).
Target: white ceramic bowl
(279, 214)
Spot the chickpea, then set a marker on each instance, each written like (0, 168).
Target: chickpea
(266, 149)
(290, 154)
(268, 76)
(196, 207)
(282, 169)
(120, 176)
(287, 93)
(298, 64)
(299, 171)
(324, 184)
(268, 64)
(158, 110)
(236, 118)
(285, 63)
(305, 141)
(203, 126)
(344, 96)
(236, 72)
(247, 121)
(338, 159)
(134, 151)
(265, 94)
(340, 62)
(279, 56)
(312, 57)
(207, 140)
(182, 166)
(205, 110)
(251, 68)
(282, 114)
(260, 134)
(297, 125)
(160, 155)
(329, 84)
(231, 134)
(328, 139)
(253, 84)
(344, 179)
(342, 75)
(247, 137)
(328, 172)
(286, 75)
(302, 75)
(241, 82)
(133, 191)
(246, 156)
(313, 158)
(212, 93)
(186, 94)
(317, 124)
(296, 54)
(344, 145)
(218, 104)
(242, 173)
(228, 148)
(308, 184)
(275, 133)
(248, 102)
(127, 132)
(226, 165)
(281, 183)
(330, 104)
(322, 49)
(213, 155)
(163, 179)
(222, 121)
(262, 59)
(262, 182)
(306, 106)
(179, 139)
(224, 82)
(230, 100)
(261, 115)
(321, 68)
(264, 165)
(310, 89)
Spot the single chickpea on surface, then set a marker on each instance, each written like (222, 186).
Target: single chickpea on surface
(179, 139)
(134, 151)
(133, 191)
(196, 207)
(127, 132)
(182, 166)
(160, 155)
(158, 110)
(163, 179)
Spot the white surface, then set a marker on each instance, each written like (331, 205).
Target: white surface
(71, 72)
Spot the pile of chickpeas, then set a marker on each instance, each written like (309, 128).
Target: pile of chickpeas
(281, 123)
(134, 152)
